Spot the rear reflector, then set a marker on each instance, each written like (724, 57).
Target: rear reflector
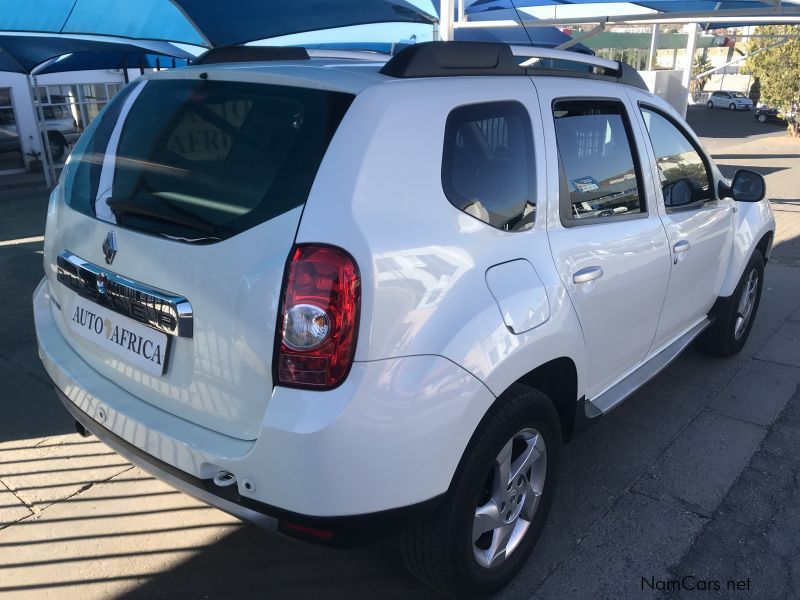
(302, 530)
(318, 318)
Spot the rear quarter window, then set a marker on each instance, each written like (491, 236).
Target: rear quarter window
(487, 164)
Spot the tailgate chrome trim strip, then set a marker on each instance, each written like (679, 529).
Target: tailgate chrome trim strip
(165, 311)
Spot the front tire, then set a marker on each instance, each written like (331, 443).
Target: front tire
(728, 334)
(762, 118)
(58, 147)
(732, 106)
(498, 502)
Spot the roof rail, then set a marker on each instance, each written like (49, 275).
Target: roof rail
(228, 54)
(444, 59)
(347, 54)
(536, 54)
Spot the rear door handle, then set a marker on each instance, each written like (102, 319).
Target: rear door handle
(681, 246)
(587, 274)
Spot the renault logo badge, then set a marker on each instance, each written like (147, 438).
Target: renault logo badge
(110, 247)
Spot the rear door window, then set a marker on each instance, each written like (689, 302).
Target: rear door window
(200, 160)
(599, 169)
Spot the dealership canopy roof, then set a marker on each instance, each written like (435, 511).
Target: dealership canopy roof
(712, 14)
(201, 22)
(21, 53)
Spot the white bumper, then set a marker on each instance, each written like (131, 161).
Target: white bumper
(390, 436)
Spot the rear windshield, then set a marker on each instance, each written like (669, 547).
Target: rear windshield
(199, 160)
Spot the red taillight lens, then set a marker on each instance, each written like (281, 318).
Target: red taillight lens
(318, 318)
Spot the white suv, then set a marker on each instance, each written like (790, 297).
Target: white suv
(347, 298)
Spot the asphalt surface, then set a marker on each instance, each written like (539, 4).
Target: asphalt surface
(694, 480)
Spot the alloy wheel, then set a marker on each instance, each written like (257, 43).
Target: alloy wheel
(747, 301)
(510, 498)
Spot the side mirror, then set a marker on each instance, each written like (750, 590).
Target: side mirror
(678, 193)
(748, 186)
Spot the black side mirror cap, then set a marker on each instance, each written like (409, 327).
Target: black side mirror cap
(746, 186)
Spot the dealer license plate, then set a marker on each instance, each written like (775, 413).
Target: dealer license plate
(123, 337)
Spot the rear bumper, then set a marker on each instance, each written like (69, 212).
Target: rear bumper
(178, 479)
(388, 439)
(340, 532)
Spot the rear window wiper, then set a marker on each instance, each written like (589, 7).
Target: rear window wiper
(121, 208)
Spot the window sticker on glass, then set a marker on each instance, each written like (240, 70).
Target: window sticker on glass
(203, 133)
(586, 184)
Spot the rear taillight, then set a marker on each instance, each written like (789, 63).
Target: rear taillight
(318, 319)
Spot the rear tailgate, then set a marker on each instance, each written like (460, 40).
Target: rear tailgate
(180, 207)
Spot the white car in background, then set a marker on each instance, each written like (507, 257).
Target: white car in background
(59, 125)
(729, 99)
(354, 297)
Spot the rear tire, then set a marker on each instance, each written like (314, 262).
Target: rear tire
(762, 118)
(736, 314)
(710, 104)
(460, 550)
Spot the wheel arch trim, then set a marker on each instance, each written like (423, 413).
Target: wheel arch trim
(754, 228)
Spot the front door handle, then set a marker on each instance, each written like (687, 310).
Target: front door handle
(587, 274)
(681, 246)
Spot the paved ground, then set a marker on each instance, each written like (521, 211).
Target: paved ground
(697, 475)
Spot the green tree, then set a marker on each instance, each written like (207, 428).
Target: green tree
(701, 64)
(778, 69)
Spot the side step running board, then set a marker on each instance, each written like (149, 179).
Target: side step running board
(613, 396)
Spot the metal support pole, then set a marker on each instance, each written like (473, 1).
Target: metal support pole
(47, 158)
(597, 29)
(741, 58)
(446, 18)
(651, 56)
(691, 46)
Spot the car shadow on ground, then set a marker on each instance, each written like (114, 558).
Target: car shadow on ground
(254, 564)
(30, 409)
(729, 170)
(754, 156)
(726, 124)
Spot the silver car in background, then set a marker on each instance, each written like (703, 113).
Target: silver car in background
(730, 100)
